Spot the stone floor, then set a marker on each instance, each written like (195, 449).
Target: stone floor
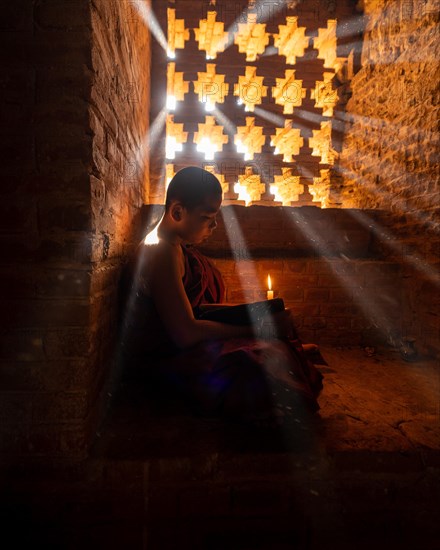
(364, 470)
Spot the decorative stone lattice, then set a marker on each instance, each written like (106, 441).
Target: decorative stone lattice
(288, 92)
(211, 87)
(249, 139)
(175, 137)
(176, 86)
(169, 174)
(250, 89)
(177, 34)
(210, 138)
(324, 95)
(291, 40)
(286, 187)
(211, 35)
(325, 43)
(251, 37)
(320, 188)
(249, 187)
(287, 141)
(321, 144)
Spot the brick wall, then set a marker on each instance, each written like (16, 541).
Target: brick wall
(119, 120)
(69, 199)
(389, 159)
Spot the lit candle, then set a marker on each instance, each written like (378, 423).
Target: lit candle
(270, 291)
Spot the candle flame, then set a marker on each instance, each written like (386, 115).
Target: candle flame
(269, 282)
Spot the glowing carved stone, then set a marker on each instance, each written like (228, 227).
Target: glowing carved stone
(321, 144)
(177, 34)
(288, 92)
(325, 43)
(287, 141)
(175, 139)
(211, 35)
(212, 168)
(286, 187)
(176, 86)
(211, 87)
(249, 187)
(251, 37)
(210, 138)
(291, 40)
(169, 175)
(320, 190)
(250, 89)
(249, 139)
(324, 95)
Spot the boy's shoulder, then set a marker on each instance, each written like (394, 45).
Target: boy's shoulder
(160, 254)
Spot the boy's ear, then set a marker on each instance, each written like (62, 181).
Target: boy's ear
(176, 212)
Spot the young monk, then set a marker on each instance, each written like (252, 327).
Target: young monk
(220, 368)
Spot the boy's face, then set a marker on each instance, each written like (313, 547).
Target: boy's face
(200, 222)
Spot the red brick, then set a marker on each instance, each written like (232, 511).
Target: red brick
(291, 294)
(339, 323)
(340, 295)
(303, 281)
(163, 502)
(301, 310)
(316, 295)
(47, 313)
(359, 323)
(70, 15)
(330, 281)
(205, 501)
(336, 309)
(260, 498)
(57, 441)
(270, 266)
(239, 296)
(72, 217)
(315, 322)
(22, 345)
(18, 16)
(377, 461)
(294, 266)
(320, 266)
(15, 408)
(308, 335)
(72, 375)
(59, 407)
(68, 343)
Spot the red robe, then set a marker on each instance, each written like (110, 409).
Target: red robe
(234, 377)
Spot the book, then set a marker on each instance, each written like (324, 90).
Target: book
(242, 314)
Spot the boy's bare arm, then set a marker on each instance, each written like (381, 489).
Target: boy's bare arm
(174, 308)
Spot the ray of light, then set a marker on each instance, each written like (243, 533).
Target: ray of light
(136, 166)
(270, 50)
(240, 251)
(368, 302)
(386, 125)
(375, 168)
(392, 242)
(385, 236)
(277, 120)
(355, 25)
(147, 15)
(228, 125)
(150, 138)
